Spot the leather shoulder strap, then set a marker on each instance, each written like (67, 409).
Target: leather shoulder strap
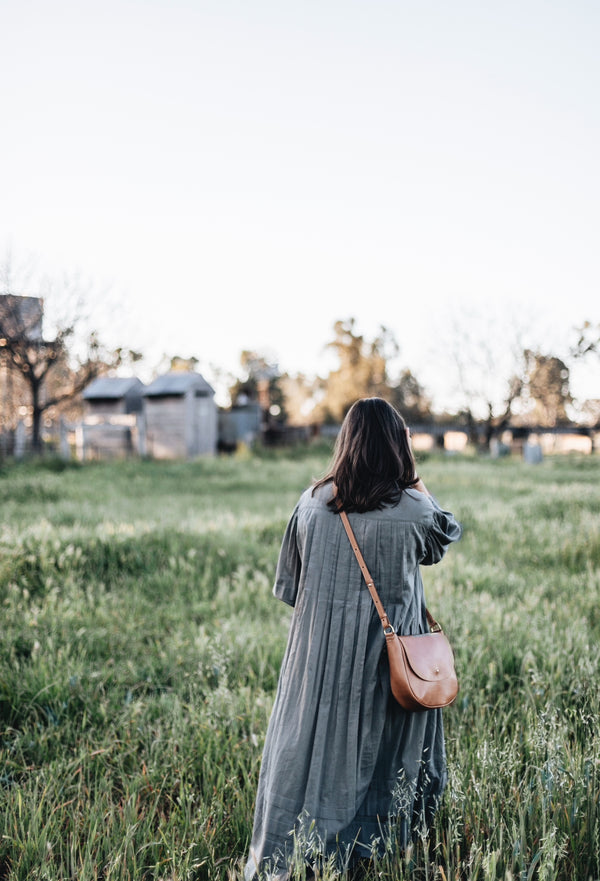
(385, 622)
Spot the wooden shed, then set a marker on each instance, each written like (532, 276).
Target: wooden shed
(113, 424)
(181, 416)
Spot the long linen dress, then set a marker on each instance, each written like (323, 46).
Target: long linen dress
(344, 767)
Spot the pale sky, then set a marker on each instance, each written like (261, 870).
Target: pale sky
(239, 175)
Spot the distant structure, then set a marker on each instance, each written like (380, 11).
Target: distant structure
(175, 417)
(108, 395)
(181, 416)
(21, 317)
(240, 424)
(113, 425)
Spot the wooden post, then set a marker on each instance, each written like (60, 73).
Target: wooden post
(142, 447)
(63, 444)
(20, 439)
(80, 441)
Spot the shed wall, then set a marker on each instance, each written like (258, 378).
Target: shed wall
(165, 426)
(205, 411)
(181, 426)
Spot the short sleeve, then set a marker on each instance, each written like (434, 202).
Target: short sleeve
(289, 563)
(444, 529)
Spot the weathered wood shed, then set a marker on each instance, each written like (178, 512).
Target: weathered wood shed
(113, 423)
(181, 416)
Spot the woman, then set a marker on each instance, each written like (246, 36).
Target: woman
(344, 767)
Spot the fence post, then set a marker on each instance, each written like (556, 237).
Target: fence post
(20, 439)
(80, 441)
(142, 446)
(63, 444)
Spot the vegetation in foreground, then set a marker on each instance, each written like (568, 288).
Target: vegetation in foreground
(140, 650)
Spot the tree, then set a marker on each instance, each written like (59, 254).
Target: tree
(486, 351)
(547, 387)
(301, 394)
(362, 371)
(410, 398)
(37, 360)
(179, 364)
(588, 340)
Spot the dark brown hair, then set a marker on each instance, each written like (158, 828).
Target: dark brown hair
(372, 461)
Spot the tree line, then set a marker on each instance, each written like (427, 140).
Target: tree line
(536, 391)
(44, 376)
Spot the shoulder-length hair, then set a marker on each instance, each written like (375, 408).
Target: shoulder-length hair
(372, 460)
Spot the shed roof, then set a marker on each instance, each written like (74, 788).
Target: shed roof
(113, 387)
(178, 383)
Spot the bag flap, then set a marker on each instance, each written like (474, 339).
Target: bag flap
(429, 655)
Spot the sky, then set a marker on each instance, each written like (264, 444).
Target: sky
(240, 175)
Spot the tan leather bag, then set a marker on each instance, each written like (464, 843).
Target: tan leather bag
(422, 673)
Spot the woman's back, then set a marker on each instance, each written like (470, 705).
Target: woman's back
(394, 541)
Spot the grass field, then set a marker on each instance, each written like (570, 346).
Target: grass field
(140, 648)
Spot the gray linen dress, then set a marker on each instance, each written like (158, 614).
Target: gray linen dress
(344, 766)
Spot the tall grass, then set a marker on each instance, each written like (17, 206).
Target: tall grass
(140, 648)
